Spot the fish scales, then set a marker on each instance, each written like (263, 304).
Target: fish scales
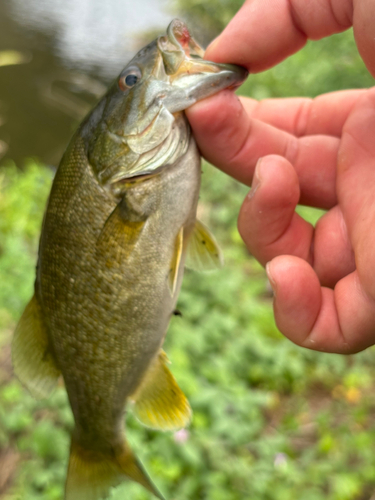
(117, 343)
(119, 225)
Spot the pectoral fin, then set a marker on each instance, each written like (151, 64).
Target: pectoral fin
(119, 236)
(32, 360)
(176, 259)
(203, 251)
(159, 402)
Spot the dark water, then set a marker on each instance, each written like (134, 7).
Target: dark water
(68, 51)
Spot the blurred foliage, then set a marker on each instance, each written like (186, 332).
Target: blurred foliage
(322, 66)
(272, 421)
(207, 18)
(22, 201)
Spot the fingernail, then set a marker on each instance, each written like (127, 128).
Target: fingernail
(272, 282)
(256, 179)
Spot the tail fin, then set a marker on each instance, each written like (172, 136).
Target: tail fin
(92, 474)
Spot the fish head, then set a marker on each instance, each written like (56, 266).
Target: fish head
(142, 126)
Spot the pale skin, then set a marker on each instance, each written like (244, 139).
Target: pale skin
(318, 152)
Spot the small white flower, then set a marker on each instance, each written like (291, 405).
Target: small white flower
(181, 436)
(280, 461)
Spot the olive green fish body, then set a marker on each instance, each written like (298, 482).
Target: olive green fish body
(119, 225)
(104, 341)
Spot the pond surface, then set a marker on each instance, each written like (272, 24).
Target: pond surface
(57, 58)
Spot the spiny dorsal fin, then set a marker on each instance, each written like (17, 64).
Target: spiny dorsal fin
(176, 259)
(203, 252)
(159, 402)
(32, 360)
(92, 474)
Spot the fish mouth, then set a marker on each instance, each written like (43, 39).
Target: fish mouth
(192, 78)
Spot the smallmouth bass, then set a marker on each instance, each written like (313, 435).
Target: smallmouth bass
(119, 225)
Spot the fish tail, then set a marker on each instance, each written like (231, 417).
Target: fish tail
(92, 474)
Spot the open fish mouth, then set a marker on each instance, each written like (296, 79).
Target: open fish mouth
(191, 77)
(177, 47)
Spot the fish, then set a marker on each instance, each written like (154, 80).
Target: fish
(119, 228)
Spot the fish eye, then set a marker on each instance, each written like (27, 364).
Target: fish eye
(129, 78)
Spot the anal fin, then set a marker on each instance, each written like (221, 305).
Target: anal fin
(159, 402)
(32, 360)
(203, 252)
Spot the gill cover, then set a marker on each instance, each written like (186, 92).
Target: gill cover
(139, 126)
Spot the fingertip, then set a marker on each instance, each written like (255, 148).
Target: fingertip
(278, 175)
(297, 296)
(278, 182)
(267, 220)
(259, 36)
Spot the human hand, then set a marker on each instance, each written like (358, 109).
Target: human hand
(323, 278)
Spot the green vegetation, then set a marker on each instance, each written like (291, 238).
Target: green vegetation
(272, 421)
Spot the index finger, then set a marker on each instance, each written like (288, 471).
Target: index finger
(263, 33)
